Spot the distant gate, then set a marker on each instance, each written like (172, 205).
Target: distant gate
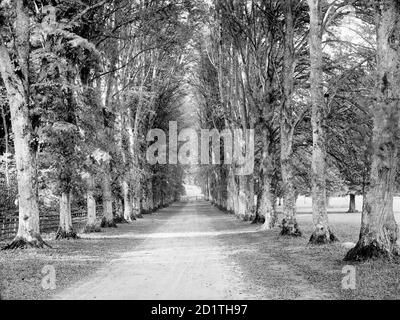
(191, 198)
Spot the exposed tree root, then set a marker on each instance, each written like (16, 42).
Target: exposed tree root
(91, 228)
(372, 251)
(23, 243)
(321, 237)
(107, 223)
(290, 229)
(62, 234)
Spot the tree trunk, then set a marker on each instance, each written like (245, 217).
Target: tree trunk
(235, 194)
(289, 222)
(137, 203)
(322, 234)
(65, 230)
(145, 198)
(266, 206)
(242, 201)
(120, 124)
(210, 195)
(7, 147)
(352, 204)
(379, 230)
(250, 198)
(17, 87)
(229, 202)
(119, 210)
(206, 193)
(108, 218)
(128, 215)
(266, 209)
(91, 225)
(133, 166)
(150, 196)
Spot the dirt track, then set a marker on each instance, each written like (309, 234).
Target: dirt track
(186, 253)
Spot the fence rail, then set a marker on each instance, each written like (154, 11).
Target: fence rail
(47, 222)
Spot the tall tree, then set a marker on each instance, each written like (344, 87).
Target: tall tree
(14, 68)
(287, 125)
(322, 232)
(379, 231)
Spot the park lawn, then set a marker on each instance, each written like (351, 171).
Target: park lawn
(321, 266)
(21, 270)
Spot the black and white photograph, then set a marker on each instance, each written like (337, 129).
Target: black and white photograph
(202, 157)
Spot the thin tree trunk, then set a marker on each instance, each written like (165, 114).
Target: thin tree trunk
(119, 210)
(210, 195)
(145, 203)
(266, 210)
(250, 198)
(65, 230)
(206, 188)
(134, 178)
(322, 233)
(18, 95)
(127, 202)
(242, 205)
(91, 225)
(266, 204)
(229, 192)
(289, 222)
(352, 203)
(137, 200)
(119, 129)
(150, 196)
(7, 148)
(108, 217)
(379, 231)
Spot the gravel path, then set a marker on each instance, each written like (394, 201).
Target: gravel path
(187, 256)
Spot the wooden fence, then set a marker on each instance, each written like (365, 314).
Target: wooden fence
(48, 222)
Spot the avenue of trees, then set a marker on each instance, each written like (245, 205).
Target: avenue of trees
(82, 82)
(318, 82)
